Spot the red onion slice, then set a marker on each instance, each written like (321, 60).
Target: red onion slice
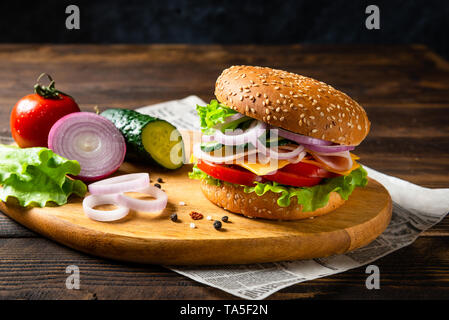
(230, 119)
(299, 138)
(329, 149)
(298, 158)
(200, 154)
(238, 136)
(285, 155)
(90, 139)
(125, 183)
(145, 205)
(91, 201)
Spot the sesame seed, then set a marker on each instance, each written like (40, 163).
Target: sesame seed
(192, 225)
(314, 130)
(277, 88)
(209, 218)
(182, 203)
(282, 119)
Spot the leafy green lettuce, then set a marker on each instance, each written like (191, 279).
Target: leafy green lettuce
(317, 196)
(212, 114)
(37, 176)
(311, 198)
(197, 174)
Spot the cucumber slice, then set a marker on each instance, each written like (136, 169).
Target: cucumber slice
(148, 138)
(164, 144)
(210, 146)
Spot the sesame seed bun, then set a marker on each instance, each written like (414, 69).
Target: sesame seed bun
(293, 102)
(233, 198)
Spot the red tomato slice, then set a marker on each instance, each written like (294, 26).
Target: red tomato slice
(308, 170)
(292, 179)
(239, 175)
(228, 173)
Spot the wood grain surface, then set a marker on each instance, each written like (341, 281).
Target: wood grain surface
(405, 90)
(153, 238)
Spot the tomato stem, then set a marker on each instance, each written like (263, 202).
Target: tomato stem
(48, 92)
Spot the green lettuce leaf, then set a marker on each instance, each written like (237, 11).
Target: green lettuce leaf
(315, 197)
(37, 176)
(212, 114)
(197, 174)
(311, 198)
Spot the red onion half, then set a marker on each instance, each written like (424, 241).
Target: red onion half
(90, 139)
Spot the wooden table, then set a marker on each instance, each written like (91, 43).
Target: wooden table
(405, 90)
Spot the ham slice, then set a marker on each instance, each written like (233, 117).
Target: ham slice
(340, 161)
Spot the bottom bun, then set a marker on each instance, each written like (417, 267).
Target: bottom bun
(234, 199)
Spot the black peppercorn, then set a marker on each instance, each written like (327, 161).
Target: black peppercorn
(160, 180)
(157, 185)
(224, 219)
(174, 217)
(217, 224)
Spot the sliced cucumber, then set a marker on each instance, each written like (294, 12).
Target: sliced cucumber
(210, 146)
(148, 138)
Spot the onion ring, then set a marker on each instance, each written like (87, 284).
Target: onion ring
(145, 205)
(91, 201)
(125, 183)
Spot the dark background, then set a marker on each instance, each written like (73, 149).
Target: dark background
(274, 22)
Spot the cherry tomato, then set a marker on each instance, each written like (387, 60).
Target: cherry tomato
(292, 179)
(308, 170)
(228, 173)
(34, 115)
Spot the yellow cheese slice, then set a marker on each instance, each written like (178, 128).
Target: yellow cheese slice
(264, 169)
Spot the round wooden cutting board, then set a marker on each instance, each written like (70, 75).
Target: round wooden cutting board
(154, 238)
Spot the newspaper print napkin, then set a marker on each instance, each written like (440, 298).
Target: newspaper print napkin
(415, 209)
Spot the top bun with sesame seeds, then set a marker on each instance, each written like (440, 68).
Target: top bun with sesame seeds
(293, 102)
